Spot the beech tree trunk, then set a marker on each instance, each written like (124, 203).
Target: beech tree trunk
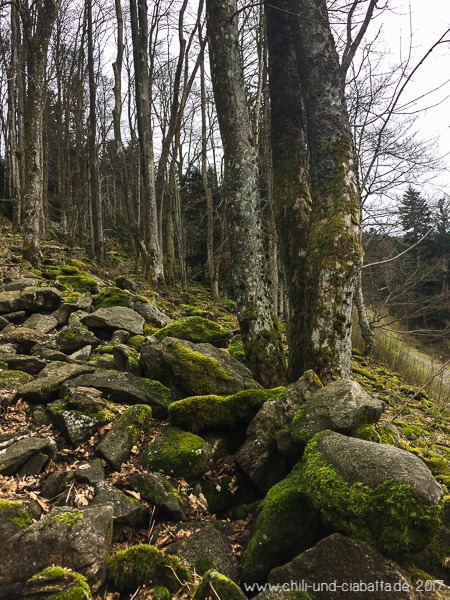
(258, 326)
(318, 221)
(36, 34)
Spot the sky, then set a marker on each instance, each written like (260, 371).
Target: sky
(429, 20)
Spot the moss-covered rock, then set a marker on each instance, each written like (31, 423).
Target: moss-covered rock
(16, 515)
(216, 584)
(372, 492)
(205, 412)
(236, 348)
(286, 525)
(79, 283)
(155, 488)
(195, 329)
(77, 588)
(179, 453)
(145, 564)
(230, 490)
(111, 296)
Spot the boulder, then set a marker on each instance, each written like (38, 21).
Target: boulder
(42, 323)
(31, 299)
(22, 338)
(115, 317)
(195, 329)
(91, 472)
(260, 457)
(372, 491)
(207, 549)
(46, 387)
(76, 539)
(214, 584)
(116, 445)
(194, 369)
(155, 488)
(76, 427)
(16, 515)
(73, 337)
(127, 511)
(178, 453)
(29, 364)
(150, 313)
(341, 406)
(18, 453)
(12, 380)
(337, 562)
(197, 413)
(287, 524)
(126, 388)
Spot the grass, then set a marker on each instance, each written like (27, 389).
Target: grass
(400, 354)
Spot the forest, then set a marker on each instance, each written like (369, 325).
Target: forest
(214, 147)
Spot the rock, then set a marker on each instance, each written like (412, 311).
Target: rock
(86, 399)
(22, 338)
(3, 323)
(56, 484)
(259, 457)
(144, 564)
(155, 488)
(47, 386)
(76, 539)
(372, 491)
(32, 298)
(42, 323)
(230, 490)
(178, 453)
(127, 511)
(62, 314)
(214, 584)
(12, 380)
(16, 318)
(7, 349)
(194, 369)
(16, 515)
(14, 456)
(72, 338)
(340, 561)
(195, 329)
(120, 336)
(287, 524)
(91, 472)
(34, 464)
(197, 413)
(20, 284)
(116, 445)
(64, 583)
(207, 549)
(9, 301)
(126, 359)
(115, 317)
(126, 388)
(76, 427)
(29, 364)
(341, 406)
(150, 313)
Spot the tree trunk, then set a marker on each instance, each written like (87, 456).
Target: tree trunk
(36, 38)
(324, 234)
(139, 30)
(262, 341)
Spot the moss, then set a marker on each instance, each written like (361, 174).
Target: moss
(136, 341)
(79, 283)
(12, 374)
(161, 593)
(81, 266)
(111, 296)
(78, 590)
(367, 432)
(386, 435)
(69, 518)
(145, 564)
(13, 511)
(216, 585)
(236, 348)
(105, 349)
(203, 564)
(202, 412)
(69, 270)
(178, 453)
(194, 329)
(388, 515)
(71, 297)
(198, 364)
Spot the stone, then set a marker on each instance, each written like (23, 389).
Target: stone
(207, 549)
(372, 491)
(22, 338)
(16, 515)
(20, 284)
(63, 313)
(15, 455)
(42, 323)
(260, 457)
(46, 387)
(178, 453)
(341, 406)
(157, 490)
(76, 427)
(11, 380)
(195, 329)
(115, 317)
(34, 464)
(29, 364)
(338, 561)
(55, 485)
(214, 584)
(194, 369)
(72, 338)
(31, 299)
(127, 511)
(126, 388)
(116, 445)
(86, 399)
(91, 472)
(68, 537)
(150, 313)
(81, 355)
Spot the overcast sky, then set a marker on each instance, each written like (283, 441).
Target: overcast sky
(429, 20)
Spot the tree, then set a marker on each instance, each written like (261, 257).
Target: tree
(259, 330)
(316, 192)
(415, 215)
(37, 22)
